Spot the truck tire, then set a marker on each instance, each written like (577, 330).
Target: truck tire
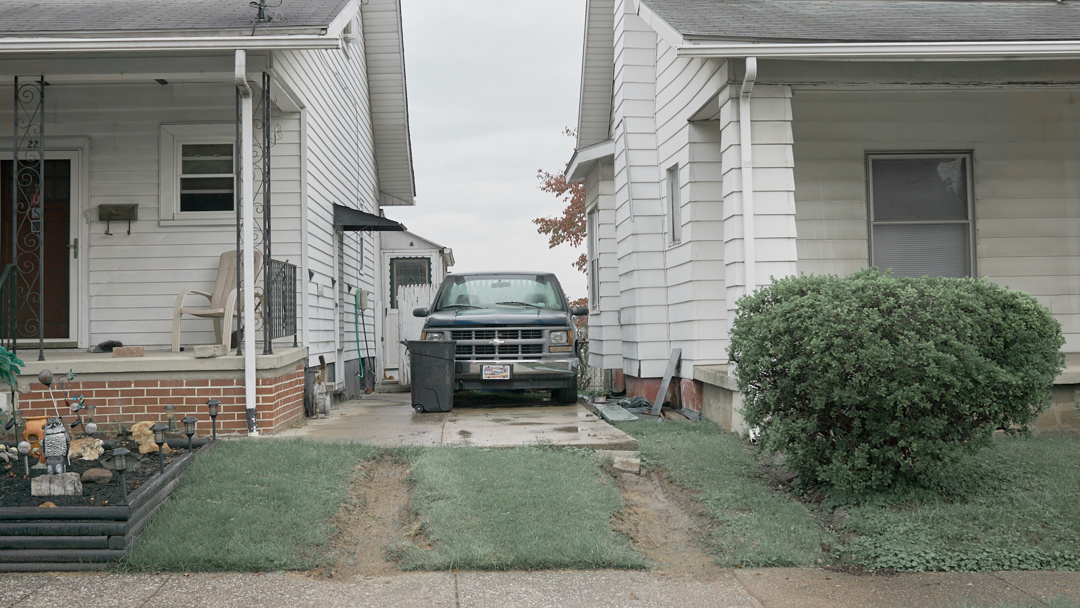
(567, 394)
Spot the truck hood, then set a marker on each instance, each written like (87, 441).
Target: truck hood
(509, 316)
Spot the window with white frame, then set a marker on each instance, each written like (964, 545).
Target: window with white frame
(920, 213)
(198, 173)
(593, 256)
(674, 205)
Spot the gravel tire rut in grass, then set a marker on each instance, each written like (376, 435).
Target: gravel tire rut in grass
(376, 516)
(665, 523)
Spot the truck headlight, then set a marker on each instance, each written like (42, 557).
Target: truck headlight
(559, 338)
(431, 336)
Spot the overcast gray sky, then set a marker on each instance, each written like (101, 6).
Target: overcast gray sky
(492, 84)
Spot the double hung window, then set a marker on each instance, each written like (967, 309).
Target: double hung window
(921, 214)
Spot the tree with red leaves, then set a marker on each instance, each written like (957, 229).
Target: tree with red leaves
(569, 227)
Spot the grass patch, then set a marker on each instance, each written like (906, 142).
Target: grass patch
(522, 508)
(250, 506)
(755, 526)
(1015, 506)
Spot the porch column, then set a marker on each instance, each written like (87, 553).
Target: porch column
(771, 168)
(247, 191)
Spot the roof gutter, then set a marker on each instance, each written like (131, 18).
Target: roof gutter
(746, 152)
(584, 158)
(885, 51)
(192, 43)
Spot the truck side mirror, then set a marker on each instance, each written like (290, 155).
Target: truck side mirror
(579, 311)
(420, 312)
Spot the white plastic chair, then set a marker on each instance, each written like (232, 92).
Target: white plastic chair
(222, 302)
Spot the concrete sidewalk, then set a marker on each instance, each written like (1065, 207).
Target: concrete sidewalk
(765, 588)
(388, 419)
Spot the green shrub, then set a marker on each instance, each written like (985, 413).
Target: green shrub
(869, 382)
(9, 366)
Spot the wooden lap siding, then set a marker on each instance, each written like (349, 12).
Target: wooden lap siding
(280, 401)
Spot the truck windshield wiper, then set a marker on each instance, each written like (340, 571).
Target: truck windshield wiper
(520, 304)
(457, 306)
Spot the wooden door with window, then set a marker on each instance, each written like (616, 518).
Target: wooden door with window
(56, 258)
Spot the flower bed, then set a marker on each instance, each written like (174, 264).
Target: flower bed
(90, 536)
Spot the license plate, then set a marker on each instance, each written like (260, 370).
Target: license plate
(496, 372)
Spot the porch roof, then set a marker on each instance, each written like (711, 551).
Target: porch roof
(181, 17)
(351, 220)
(812, 21)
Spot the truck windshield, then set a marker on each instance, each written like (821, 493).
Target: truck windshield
(489, 291)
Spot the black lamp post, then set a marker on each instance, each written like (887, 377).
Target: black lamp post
(119, 458)
(159, 439)
(213, 406)
(189, 428)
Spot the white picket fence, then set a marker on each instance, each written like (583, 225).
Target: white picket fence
(410, 297)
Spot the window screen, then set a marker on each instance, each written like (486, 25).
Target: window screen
(593, 253)
(920, 214)
(408, 271)
(206, 177)
(674, 204)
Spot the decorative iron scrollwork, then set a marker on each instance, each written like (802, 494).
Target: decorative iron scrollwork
(28, 209)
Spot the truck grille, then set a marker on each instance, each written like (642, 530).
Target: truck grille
(516, 343)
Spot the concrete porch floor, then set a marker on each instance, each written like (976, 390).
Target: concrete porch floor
(388, 419)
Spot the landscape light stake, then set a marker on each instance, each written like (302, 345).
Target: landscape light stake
(24, 449)
(170, 413)
(119, 458)
(189, 428)
(213, 405)
(159, 439)
(91, 426)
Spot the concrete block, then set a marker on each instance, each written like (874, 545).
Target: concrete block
(129, 351)
(65, 484)
(627, 461)
(209, 351)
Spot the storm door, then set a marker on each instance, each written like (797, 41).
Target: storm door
(54, 219)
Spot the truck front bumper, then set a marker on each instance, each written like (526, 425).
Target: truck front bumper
(524, 375)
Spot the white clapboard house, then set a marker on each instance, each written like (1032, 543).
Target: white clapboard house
(932, 137)
(140, 140)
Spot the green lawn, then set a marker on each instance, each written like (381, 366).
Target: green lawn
(523, 508)
(755, 526)
(250, 505)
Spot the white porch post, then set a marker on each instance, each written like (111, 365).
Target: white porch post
(247, 169)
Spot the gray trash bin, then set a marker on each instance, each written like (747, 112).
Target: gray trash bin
(432, 371)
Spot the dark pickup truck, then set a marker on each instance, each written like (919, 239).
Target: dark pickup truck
(512, 330)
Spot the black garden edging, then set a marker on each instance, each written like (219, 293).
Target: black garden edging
(33, 539)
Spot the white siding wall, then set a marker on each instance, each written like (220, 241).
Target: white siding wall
(341, 169)
(1026, 169)
(605, 333)
(694, 271)
(638, 206)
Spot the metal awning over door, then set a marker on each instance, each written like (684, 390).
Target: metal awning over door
(348, 219)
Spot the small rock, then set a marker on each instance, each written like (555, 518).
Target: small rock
(87, 448)
(97, 476)
(47, 503)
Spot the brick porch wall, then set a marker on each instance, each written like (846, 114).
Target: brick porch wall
(279, 399)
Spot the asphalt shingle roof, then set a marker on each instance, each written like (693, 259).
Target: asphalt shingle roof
(872, 20)
(27, 17)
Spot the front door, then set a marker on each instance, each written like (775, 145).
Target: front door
(56, 224)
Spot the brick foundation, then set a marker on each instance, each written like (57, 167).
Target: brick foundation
(279, 400)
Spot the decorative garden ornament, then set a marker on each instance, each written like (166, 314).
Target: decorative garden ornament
(55, 445)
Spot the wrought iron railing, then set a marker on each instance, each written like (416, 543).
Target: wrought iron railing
(279, 299)
(8, 311)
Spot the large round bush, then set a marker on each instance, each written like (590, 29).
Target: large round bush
(868, 382)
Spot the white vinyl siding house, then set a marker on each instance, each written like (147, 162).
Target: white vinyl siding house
(823, 146)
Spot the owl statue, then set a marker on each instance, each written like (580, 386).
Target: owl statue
(55, 444)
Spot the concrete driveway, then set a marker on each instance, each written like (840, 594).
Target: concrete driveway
(388, 419)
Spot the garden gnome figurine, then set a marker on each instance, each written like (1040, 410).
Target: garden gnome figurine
(55, 444)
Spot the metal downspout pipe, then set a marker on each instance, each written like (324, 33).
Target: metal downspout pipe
(745, 148)
(247, 171)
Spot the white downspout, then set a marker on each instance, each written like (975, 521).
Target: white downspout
(749, 255)
(305, 322)
(247, 170)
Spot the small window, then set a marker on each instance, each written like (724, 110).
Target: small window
(197, 174)
(593, 256)
(921, 214)
(207, 179)
(408, 271)
(674, 205)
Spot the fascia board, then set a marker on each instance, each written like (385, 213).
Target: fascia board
(887, 51)
(583, 159)
(174, 44)
(658, 25)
